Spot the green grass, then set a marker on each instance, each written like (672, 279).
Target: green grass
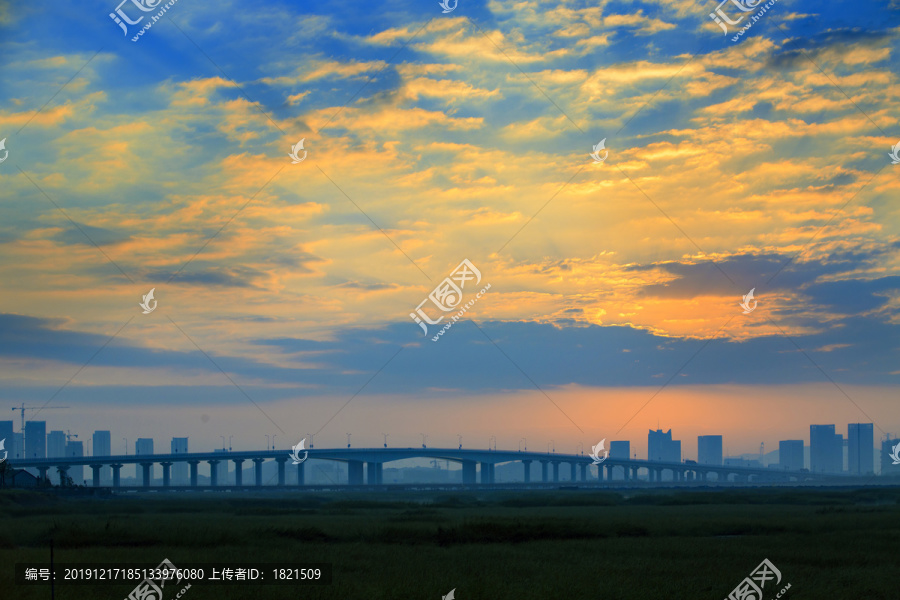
(522, 545)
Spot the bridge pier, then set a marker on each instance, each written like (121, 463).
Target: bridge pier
(301, 474)
(115, 473)
(527, 468)
(572, 470)
(238, 471)
(487, 472)
(213, 473)
(584, 471)
(194, 477)
(469, 471)
(374, 473)
(544, 471)
(257, 470)
(281, 460)
(609, 472)
(634, 473)
(62, 471)
(42, 472)
(555, 471)
(355, 472)
(96, 477)
(167, 473)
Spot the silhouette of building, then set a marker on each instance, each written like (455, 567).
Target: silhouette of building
(620, 449)
(102, 446)
(888, 467)
(180, 469)
(790, 455)
(35, 439)
(143, 446)
(860, 449)
(56, 444)
(661, 447)
(709, 449)
(825, 449)
(76, 472)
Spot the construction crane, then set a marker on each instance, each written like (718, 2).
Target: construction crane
(22, 409)
(69, 436)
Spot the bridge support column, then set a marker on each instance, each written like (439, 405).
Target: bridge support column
(117, 481)
(373, 473)
(146, 468)
(281, 460)
(584, 471)
(609, 472)
(167, 473)
(634, 473)
(486, 473)
(625, 474)
(544, 478)
(301, 474)
(42, 472)
(555, 471)
(527, 468)
(355, 472)
(194, 477)
(213, 472)
(63, 472)
(572, 471)
(704, 475)
(238, 471)
(257, 470)
(468, 471)
(96, 478)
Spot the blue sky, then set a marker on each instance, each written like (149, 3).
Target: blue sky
(285, 289)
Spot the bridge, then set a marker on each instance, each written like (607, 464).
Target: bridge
(365, 466)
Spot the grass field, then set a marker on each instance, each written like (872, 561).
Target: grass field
(566, 544)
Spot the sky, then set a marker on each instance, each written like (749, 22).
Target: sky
(284, 287)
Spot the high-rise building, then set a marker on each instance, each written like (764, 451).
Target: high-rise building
(661, 447)
(790, 455)
(888, 468)
(860, 449)
(620, 450)
(36, 439)
(709, 449)
(102, 446)
(143, 446)
(20, 444)
(9, 438)
(56, 444)
(824, 449)
(180, 469)
(76, 472)
(838, 456)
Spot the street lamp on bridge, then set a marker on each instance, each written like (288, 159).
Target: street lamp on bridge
(385, 439)
(459, 437)
(493, 438)
(126, 446)
(520, 444)
(424, 437)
